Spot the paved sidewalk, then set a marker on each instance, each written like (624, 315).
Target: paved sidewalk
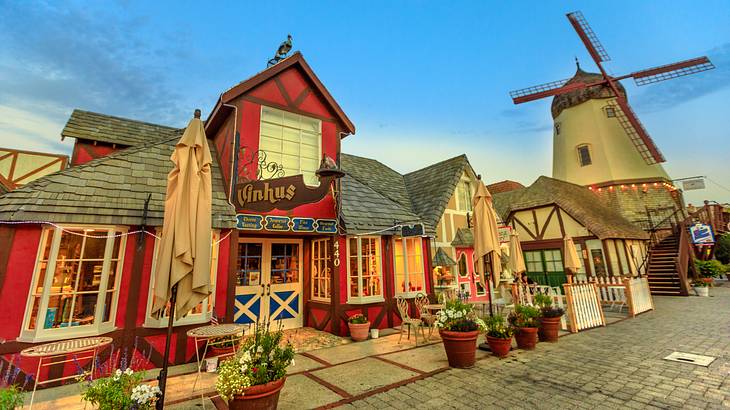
(619, 366)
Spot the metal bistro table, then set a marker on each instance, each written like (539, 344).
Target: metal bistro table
(86, 348)
(206, 333)
(433, 308)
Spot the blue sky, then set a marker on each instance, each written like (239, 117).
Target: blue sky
(422, 81)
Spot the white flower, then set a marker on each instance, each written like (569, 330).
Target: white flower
(260, 349)
(128, 372)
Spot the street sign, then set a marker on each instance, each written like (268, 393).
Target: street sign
(692, 184)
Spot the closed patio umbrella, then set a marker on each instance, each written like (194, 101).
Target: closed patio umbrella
(516, 258)
(572, 260)
(486, 237)
(182, 272)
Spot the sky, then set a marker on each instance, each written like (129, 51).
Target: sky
(423, 81)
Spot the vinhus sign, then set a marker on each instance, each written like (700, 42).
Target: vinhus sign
(279, 193)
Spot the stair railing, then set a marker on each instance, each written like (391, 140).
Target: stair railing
(686, 254)
(674, 220)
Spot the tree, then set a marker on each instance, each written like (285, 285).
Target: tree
(722, 249)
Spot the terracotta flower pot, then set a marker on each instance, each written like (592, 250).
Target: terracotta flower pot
(219, 351)
(460, 347)
(549, 329)
(526, 338)
(499, 347)
(261, 397)
(359, 331)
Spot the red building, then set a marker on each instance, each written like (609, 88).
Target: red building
(292, 241)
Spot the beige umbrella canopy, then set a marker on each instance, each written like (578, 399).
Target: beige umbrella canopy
(486, 237)
(184, 252)
(516, 258)
(572, 260)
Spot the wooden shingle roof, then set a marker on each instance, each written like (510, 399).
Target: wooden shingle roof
(110, 190)
(86, 125)
(578, 201)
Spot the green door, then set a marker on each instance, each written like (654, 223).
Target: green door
(545, 267)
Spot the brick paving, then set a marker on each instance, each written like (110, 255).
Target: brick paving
(619, 366)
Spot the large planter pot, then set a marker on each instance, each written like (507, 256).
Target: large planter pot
(460, 347)
(526, 338)
(219, 351)
(359, 331)
(261, 397)
(499, 347)
(702, 290)
(549, 327)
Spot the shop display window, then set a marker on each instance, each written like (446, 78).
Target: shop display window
(200, 313)
(321, 274)
(409, 271)
(75, 284)
(292, 140)
(365, 270)
(284, 263)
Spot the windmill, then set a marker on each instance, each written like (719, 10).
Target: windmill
(620, 106)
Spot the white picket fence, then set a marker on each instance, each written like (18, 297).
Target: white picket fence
(639, 296)
(584, 306)
(612, 291)
(523, 294)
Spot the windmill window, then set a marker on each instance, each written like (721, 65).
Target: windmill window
(557, 128)
(610, 112)
(584, 155)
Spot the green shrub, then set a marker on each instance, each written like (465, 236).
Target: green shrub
(498, 327)
(545, 303)
(525, 316)
(710, 269)
(11, 397)
(722, 249)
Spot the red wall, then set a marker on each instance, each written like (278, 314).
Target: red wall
(85, 151)
(18, 277)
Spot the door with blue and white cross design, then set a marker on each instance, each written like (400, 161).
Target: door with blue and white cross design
(269, 282)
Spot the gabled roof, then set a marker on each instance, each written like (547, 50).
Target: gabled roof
(464, 238)
(379, 177)
(431, 188)
(110, 190)
(576, 200)
(442, 259)
(86, 125)
(503, 186)
(217, 116)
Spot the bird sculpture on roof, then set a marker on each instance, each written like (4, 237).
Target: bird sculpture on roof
(282, 51)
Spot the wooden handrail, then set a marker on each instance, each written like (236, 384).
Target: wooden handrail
(684, 258)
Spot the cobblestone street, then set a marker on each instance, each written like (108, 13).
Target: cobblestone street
(619, 366)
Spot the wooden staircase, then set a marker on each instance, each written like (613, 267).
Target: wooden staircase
(662, 269)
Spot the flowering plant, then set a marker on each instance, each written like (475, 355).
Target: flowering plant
(524, 316)
(263, 358)
(459, 316)
(357, 319)
(497, 327)
(124, 390)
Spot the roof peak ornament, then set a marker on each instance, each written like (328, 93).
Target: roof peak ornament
(281, 52)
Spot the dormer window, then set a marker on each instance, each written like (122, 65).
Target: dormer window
(464, 195)
(292, 140)
(584, 155)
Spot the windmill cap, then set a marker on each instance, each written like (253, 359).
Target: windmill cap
(576, 97)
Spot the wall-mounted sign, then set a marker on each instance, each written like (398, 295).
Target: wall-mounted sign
(279, 193)
(702, 234)
(277, 223)
(412, 230)
(504, 232)
(302, 224)
(249, 222)
(326, 226)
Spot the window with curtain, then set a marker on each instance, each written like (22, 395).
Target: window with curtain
(409, 271)
(464, 195)
(292, 140)
(75, 283)
(321, 274)
(199, 314)
(364, 269)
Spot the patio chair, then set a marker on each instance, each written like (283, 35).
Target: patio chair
(407, 320)
(427, 317)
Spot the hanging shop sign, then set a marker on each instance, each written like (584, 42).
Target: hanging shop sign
(303, 224)
(412, 230)
(702, 234)
(271, 223)
(326, 226)
(249, 222)
(279, 193)
(504, 232)
(691, 184)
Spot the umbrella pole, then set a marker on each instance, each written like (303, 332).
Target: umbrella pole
(162, 378)
(488, 262)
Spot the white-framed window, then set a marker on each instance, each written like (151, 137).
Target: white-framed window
(321, 275)
(75, 283)
(463, 196)
(481, 290)
(463, 267)
(199, 314)
(292, 140)
(409, 270)
(584, 155)
(364, 269)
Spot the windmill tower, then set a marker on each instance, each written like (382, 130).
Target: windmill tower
(599, 142)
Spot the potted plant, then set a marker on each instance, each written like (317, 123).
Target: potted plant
(253, 378)
(549, 318)
(701, 287)
(499, 335)
(11, 397)
(459, 328)
(527, 320)
(359, 327)
(223, 345)
(123, 390)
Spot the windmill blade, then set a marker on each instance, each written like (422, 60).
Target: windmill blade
(669, 71)
(544, 90)
(636, 132)
(589, 38)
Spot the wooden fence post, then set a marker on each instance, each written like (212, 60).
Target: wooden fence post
(573, 325)
(630, 297)
(600, 306)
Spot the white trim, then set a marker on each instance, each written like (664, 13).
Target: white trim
(406, 269)
(364, 299)
(40, 333)
(328, 298)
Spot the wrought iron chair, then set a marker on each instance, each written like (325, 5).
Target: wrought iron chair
(407, 320)
(427, 317)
